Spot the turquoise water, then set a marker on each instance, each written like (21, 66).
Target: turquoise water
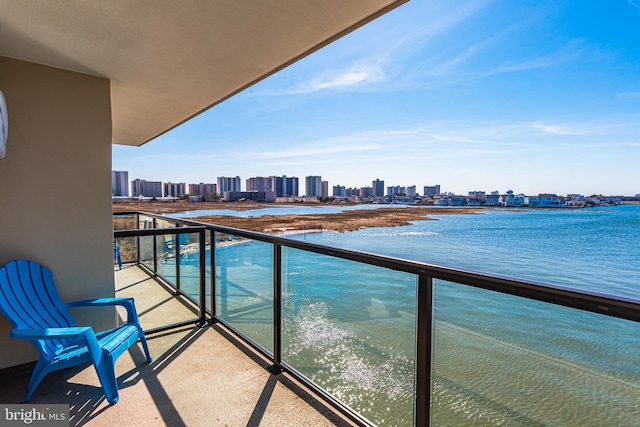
(497, 359)
(594, 249)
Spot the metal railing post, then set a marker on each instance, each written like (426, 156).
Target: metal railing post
(177, 258)
(276, 368)
(203, 259)
(212, 255)
(138, 239)
(424, 340)
(155, 250)
(224, 291)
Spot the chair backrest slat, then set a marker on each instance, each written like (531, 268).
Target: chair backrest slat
(28, 298)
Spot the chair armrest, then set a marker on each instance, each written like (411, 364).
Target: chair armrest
(84, 332)
(127, 303)
(49, 333)
(101, 301)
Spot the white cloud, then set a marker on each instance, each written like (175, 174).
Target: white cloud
(455, 138)
(317, 149)
(450, 65)
(567, 53)
(460, 69)
(359, 142)
(451, 18)
(374, 56)
(558, 130)
(354, 76)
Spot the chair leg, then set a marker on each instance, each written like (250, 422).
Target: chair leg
(143, 341)
(107, 375)
(36, 376)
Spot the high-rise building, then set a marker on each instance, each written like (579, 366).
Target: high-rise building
(174, 189)
(325, 189)
(352, 192)
(411, 191)
(313, 186)
(378, 188)
(392, 191)
(366, 192)
(141, 187)
(259, 183)
(431, 190)
(120, 183)
(339, 191)
(202, 189)
(290, 186)
(228, 184)
(284, 186)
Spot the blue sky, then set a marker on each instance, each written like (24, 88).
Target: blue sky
(534, 96)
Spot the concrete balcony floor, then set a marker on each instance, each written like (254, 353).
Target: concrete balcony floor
(199, 377)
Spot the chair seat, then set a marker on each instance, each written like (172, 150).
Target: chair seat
(108, 340)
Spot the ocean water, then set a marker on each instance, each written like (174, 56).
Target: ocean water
(594, 249)
(497, 359)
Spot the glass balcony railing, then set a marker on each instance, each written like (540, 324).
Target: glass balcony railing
(244, 287)
(172, 252)
(351, 329)
(127, 246)
(506, 360)
(397, 343)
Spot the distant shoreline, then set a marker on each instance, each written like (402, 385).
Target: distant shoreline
(347, 220)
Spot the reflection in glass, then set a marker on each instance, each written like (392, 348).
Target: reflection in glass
(127, 246)
(351, 329)
(244, 286)
(505, 360)
(189, 259)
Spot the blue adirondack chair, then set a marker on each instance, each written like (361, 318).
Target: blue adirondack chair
(29, 300)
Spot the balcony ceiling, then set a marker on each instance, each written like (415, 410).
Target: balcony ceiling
(170, 60)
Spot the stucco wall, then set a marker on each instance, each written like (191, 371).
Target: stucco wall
(55, 186)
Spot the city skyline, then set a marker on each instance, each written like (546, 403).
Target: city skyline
(536, 96)
(316, 182)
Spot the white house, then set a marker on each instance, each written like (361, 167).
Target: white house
(546, 201)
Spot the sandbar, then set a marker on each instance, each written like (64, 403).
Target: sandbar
(347, 220)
